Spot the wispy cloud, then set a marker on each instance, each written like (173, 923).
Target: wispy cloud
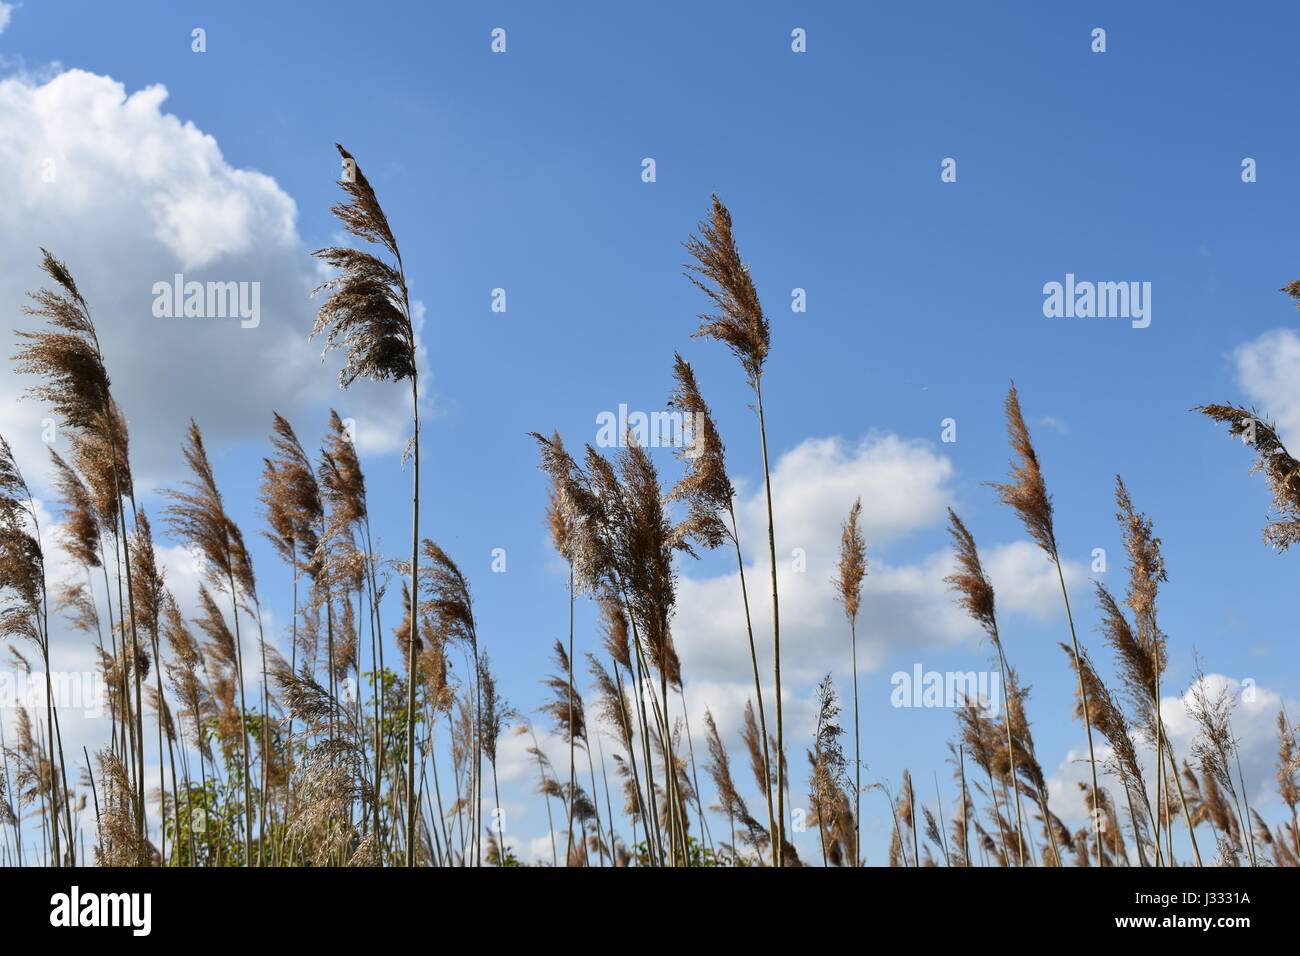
(1268, 371)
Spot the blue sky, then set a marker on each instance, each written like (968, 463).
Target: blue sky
(522, 171)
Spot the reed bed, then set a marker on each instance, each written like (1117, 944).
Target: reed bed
(342, 760)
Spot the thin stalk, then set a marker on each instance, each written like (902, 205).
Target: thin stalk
(377, 685)
(695, 777)
(997, 815)
(609, 805)
(943, 835)
(595, 802)
(437, 792)
(1137, 834)
(550, 820)
(916, 846)
(965, 829)
(758, 690)
(415, 596)
(1083, 695)
(656, 844)
(857, 751)
(776, 631)
(1011, 751)
(99, 826)
(651, 849)
(243, 724)
(573, 776)
(266, 734)
(1249, 836)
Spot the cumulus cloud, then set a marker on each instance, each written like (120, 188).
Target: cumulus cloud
(905, 490)
(1024, 579)
(6, 14)
(129, 195)
(1268, 371)
(902, 483)
(1254, 723)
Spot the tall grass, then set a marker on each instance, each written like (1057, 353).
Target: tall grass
(1027, 495)
(739, 323)
(368, 315)
(299, 774)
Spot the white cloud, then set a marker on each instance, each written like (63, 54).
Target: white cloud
(1253, 724)
(129, 195)
(1268, 371)
(543, 850)
(6, 14)
(906, 606)
(904, 486)
(1025, 582)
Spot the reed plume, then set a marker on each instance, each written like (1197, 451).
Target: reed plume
(1140, 649)
(975, 593)
(764, 774)
(1026, 494)
(368, 315)
(548, 786)
(615, 624)
(446, 599)
(561, 520)
(1032, 778)
(614, 712)
(906, 808)
(81, 525)
(197, 516)
(24, 613)
(621, 542)
(731, 802)
(829, 782)
(329, 778)
(704, 488)
(852, 569)
(294, 514)
(150, 590)
(1288, 774)
(707, 491)
(980, 739)
(493, 714)
(119, 841)
(1109, 719)
(183, 673)
(343, 486)
(1279, 468)
(739, 323)
(1215, 743)
(567, 711)
(645, 541)
(67, 359)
